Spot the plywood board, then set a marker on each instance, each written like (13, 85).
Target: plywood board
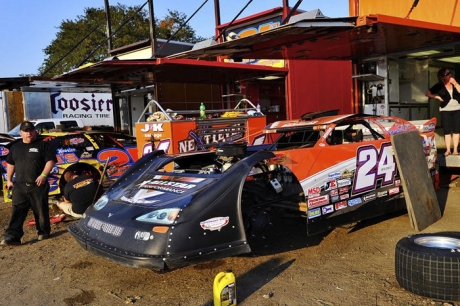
(421, 201)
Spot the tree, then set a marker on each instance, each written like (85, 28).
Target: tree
(78, 39)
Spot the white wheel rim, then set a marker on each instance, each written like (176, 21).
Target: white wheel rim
(439, 242)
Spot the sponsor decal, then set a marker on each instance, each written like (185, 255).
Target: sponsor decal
(95, 108)
(334, 192)
(65, 150)
(86, 155)
(343, 190)
(354, 202)
(327, 209)
(214, 224)
(369, 197)
(344, 196)
(170, 186)
(347, 173)
(332, 176)
(154, 127)
(178, 179)
(141, 196)
(314, 192)
(327, 132)
(76, 141)
(343, 182)
(398, 183)
(341, 205)
(393, 190)
(142, 236)
(401, 127)
(314, 213)
(318, 201)
(4, 151)
(382, 194)
(83, 183)
(330, 185)
(334, 199)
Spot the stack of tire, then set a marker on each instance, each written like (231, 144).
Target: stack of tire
(429, 265)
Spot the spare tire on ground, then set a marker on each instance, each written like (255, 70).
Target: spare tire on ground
(429, 265)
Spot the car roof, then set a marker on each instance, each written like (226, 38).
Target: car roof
(79, 132)
(317, 123)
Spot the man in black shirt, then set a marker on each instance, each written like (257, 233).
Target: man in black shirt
(30, 160)
(80, 192)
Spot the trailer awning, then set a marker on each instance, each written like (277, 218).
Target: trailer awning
(132, 72)
(334, 38)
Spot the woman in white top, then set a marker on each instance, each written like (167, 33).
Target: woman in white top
(447, 92)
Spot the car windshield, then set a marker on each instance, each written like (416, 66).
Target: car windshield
(295, 139)
(107, 140)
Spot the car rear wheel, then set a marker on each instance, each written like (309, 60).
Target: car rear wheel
(429, 265)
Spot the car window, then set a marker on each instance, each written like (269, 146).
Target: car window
(351, 133)
(44, 127)
(107, 140)
(306, 138)
(69, 123)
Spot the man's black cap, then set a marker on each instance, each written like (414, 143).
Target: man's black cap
(27, 125)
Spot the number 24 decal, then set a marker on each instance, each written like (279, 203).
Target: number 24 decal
(372, 165)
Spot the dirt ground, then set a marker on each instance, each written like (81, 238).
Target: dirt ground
(352, 265)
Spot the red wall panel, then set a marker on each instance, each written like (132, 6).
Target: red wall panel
(313, 85)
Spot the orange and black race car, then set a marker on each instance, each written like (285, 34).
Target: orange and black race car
(169, 211)
(83, 151)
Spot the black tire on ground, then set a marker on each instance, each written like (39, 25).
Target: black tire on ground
(429, 265)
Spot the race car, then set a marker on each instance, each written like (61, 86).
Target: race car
(86, 151)
(170, 211)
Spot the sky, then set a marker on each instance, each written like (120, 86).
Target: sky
(29, 26)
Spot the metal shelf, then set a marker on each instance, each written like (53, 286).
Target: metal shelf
(370, 77)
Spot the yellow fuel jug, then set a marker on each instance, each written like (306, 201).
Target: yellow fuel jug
(225, 289)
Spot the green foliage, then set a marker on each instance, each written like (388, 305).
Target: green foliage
(77, 40)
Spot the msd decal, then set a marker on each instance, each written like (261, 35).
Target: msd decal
(314, 192)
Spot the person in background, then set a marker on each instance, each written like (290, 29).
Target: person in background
(31, 160)
(447, 92)
(80, 192)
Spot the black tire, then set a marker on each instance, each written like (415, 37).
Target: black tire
(429, 265)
